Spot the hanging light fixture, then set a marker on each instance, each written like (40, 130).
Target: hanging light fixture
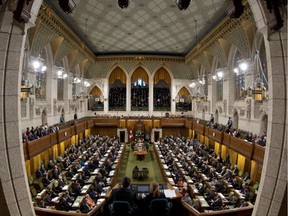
(218, 75)
(183, 4)
(123, 3)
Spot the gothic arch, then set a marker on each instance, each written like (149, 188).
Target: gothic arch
(114, 67)
(165, 67)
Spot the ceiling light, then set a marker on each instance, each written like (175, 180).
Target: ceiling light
(183, 4)
(192, 85)
(220, 74)
(123, 3)
(43, 68)
(36, 64)
(236, 70)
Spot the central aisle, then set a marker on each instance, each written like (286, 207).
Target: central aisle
(129, 162)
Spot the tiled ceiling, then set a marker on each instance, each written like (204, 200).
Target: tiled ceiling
(150, 26)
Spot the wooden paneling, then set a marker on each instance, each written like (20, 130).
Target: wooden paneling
(156, 123)
(170, 122)
(90, 123)
(188, 124)
(215, 135)
(25, 151)
(199, 128)
(107, 122)
(80, 127)
(226, 139)
(104, 131)
(258, 153)
(53, 138)
(241, 146)
(65, 133)
(37, 146)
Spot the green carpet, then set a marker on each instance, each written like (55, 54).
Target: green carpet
(129, 162)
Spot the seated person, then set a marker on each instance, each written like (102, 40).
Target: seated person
(123, 193)
(93, 193)
(242, 203)
(232, 198)
(89, 201)
(46, 180)
(216, 203)
(154, 193)
(38, 173)
(41, 204)
(246, 176)
(56, 187)
(84, 206)
(50, 165)
(76, 188)
(186, 197)
(64, 204)
(55, 172)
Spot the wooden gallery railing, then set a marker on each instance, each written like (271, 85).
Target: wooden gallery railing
(249, 150)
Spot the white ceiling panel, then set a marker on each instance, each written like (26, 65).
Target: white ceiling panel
(150, 26)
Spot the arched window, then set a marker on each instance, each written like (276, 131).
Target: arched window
(263, 69)
(139, 90)
(61, 75)
(41, 75)
(219, 86)
(239, 78)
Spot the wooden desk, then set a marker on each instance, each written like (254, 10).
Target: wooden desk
(140, 154)
(77, 202)
(204, 204)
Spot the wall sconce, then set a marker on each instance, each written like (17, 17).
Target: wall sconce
(219, 75)
(242, 67)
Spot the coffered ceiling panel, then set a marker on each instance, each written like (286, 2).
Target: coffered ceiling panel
(150, 26)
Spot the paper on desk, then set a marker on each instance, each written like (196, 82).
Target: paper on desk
(169, 193)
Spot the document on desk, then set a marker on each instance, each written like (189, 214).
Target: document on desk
(169, 193)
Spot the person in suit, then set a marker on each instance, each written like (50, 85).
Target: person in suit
(38, 173)
(46, 180)
(123, 193)
(216, 203)
(246, 176)
(235, 170)
(84, 206)
(229, 123)
(211, 119)
(64, 204)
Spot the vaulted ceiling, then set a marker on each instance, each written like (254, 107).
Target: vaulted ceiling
(146, 27)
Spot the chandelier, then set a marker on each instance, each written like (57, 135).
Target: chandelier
(123, 3)
(183, 4)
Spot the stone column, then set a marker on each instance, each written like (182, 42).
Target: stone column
(14, 190)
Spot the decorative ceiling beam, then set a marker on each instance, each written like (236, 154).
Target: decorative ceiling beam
(55, 44)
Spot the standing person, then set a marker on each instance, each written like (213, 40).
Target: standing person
(229, 123)
(211, 119)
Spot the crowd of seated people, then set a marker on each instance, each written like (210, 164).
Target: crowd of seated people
(249, 136)
(139, 98)
(117, 97)
(193, 166)
(38, 132)
(162, 99)
(87, 164)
